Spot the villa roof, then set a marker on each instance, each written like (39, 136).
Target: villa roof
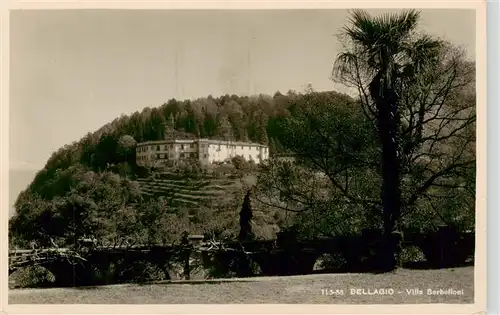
(210, 141)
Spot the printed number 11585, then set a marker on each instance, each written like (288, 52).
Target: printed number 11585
(330, 292)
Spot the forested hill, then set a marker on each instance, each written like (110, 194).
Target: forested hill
(254, 118)
(99, 170)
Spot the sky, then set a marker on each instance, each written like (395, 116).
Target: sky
(72, 71)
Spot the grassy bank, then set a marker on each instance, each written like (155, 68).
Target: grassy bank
(296, 289)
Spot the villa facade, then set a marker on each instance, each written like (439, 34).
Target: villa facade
(156, 153)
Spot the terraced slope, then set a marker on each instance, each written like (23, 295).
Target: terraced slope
(188, 192)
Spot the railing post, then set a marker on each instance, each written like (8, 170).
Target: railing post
(195, 242)
(186, 253)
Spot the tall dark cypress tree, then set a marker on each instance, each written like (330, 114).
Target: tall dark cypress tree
(246, 216)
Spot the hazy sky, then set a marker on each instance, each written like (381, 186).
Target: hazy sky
(73, 71)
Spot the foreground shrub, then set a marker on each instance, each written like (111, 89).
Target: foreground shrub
(32, 277)
(104, 274)
(142, 271)
(335, 261)
(411, 254)
(231, 265)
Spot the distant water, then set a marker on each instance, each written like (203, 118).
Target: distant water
(18, 181)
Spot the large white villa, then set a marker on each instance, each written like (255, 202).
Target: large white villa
(156, 153)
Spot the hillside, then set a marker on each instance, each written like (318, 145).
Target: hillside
(210, 202)
(118, 200)
(98, 174)
(190, 192)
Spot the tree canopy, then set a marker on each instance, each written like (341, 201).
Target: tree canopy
(400, 154)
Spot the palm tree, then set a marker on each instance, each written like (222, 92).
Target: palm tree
(386, 53)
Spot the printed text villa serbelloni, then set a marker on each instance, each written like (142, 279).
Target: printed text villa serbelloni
(390, 291)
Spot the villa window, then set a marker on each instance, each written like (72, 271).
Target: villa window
(166, 147)
(157, 148)
(205, 155)
(242, 147)
(191, 145)
(171, 146)
(182, 147)
(191, 154)
(181, 155)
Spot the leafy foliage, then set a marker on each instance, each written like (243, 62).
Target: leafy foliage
(327, 180)
(331, 180)
(33, 277)
(401, 154)
(79, 178)
(433, 111)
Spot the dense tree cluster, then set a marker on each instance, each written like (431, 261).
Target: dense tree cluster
(253, 118)
(111, 150)
(400, 155)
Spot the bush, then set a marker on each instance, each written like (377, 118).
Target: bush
(190, 168)
(142, 271)
(264, 231)
(279, 217)
(229, 265)
(330, 262)
(33, 277)
(123, 169)
(240, 163)
(411, 254)
(104, 274)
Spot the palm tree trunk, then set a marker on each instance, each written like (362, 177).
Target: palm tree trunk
(391, 193)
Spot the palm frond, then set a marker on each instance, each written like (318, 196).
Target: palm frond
(422, 52)
(381, 36)
(363, 31)
(344, 64)
(398, 25)
(394, 29)
(426, 49)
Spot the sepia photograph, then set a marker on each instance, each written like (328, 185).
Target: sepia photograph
(308, 156)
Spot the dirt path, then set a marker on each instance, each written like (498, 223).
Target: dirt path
(318, 288)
